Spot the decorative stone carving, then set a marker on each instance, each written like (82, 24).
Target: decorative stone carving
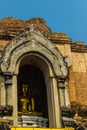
(32, 40)
(68, 61)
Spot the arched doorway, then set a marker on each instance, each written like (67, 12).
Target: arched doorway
(33, 77)
(39, 67)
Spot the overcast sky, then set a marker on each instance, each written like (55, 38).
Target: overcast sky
(69, 16)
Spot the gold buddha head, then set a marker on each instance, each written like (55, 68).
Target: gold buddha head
(25, 89)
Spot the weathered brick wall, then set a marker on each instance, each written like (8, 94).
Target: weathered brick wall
(72, 88)
(81, 87)
(64, 49)
(77, 74)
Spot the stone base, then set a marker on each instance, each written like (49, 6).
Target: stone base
(32, 121)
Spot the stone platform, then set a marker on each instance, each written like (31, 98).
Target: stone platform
(32, 121)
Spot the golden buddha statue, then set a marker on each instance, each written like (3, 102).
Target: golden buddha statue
(27, 104)
(24, 99)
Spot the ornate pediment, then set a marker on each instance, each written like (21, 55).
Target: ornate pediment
(32, 41)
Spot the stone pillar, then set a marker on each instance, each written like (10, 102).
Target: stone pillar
(2, 91)
(64, 92)
(56, 104)
(53, 102)
(62, 96)
(48, 82)
(67, 97)
(8, 86)
(8, 95)
(61, 86)
(14, 98)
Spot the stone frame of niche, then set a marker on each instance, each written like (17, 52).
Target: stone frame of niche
(31, 42)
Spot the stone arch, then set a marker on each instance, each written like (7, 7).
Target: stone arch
(33, 44)
(50, 79)
(36, 59)
(31, 40)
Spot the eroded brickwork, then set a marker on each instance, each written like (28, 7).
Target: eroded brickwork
(79, 74)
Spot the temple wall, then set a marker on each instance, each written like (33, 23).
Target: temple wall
(77, 74)
(78, 78)
(64, 49)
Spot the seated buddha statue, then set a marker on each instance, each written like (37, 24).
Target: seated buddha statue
(24, 99)
(27, 104)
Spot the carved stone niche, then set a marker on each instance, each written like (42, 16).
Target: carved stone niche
(8, 79)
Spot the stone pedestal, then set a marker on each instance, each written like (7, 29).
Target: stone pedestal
(32, 121)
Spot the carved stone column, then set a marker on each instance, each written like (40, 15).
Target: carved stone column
(67, 97)
(2, 91)
(56, 104)
(8, 86)
(15, 100)
(64, 92)
(61, 86)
